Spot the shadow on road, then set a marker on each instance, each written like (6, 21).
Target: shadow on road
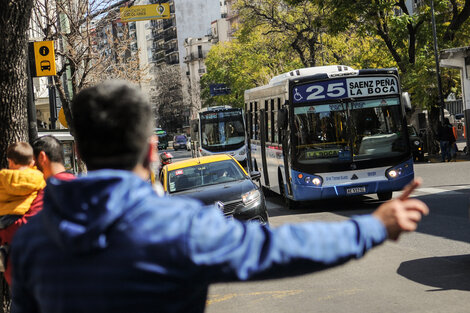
(442, 273)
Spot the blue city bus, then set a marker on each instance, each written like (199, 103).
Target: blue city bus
(330, 131)
(219, 129)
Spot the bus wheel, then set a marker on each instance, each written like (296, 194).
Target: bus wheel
(384, 196)
(290, 204)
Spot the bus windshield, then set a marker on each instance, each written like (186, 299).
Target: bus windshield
(222, 130)
(349, 131)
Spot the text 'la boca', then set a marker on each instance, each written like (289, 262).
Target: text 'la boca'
(372, 86)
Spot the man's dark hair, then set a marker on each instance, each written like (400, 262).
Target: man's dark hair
(51, 146)
(20, 152)
(112, 122)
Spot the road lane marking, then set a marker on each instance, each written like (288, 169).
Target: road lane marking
(273, 294)
(430, 190)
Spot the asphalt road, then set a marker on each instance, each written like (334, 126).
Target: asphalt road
(425, 271)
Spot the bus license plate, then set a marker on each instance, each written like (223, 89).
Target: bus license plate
(354, 190)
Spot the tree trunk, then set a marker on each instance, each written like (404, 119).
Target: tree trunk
(14, 23)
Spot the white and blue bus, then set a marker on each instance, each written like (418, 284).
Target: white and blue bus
(219, 129)
(330, 131)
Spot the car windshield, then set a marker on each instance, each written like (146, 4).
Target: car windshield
(203, 175)
(349, 131)
(180, 138)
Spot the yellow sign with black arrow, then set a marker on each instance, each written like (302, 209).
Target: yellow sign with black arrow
(43, 58)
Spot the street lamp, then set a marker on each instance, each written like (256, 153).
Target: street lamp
(436, 57)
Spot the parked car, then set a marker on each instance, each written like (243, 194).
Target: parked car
(179, 142)
(217, 179)
(416, 143)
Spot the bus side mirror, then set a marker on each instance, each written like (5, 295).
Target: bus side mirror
(405, 99)
(282, 119)
(195, 128)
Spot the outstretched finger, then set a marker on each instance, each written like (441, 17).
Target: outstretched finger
(410, 188)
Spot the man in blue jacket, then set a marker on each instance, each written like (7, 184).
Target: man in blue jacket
(106, 242)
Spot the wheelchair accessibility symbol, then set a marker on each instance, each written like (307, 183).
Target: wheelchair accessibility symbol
(297, 95)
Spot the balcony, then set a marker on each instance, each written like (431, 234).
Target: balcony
(171, 50)
(169, 23)
(195, 56)
(169, 35)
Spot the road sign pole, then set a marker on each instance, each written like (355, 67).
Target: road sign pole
(31, 107)
(52, 103)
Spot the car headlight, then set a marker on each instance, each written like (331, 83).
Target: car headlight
(251, 196)
(416, 142)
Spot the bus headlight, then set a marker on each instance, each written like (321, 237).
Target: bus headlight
(251, 197)
(317, 181)
(394, 173)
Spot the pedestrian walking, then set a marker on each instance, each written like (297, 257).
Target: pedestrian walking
(446, 140)
(105, 242)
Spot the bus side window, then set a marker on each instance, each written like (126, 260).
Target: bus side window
(278, 130)
(273, 126)
(255, 122)
(249, 120)
(267, 121)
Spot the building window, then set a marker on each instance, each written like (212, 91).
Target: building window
(199, 51)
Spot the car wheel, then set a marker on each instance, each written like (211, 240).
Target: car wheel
(384, 196)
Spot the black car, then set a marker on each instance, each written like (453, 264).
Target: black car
(179, 142)
(417, 144)
(220, 180)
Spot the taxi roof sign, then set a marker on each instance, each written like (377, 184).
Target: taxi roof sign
(44, 58)
(145, 12)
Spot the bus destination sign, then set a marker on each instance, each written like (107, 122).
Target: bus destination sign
(345, 88)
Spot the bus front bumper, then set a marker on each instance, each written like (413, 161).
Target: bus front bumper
(305, 193)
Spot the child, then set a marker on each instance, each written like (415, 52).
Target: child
(19, 186)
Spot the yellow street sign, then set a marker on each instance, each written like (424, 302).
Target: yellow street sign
(44, 58)
(145, 12)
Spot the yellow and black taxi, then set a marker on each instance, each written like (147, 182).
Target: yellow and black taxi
(217, 179)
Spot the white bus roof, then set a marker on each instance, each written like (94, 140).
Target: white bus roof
(216, 108)
(330, 70)
(61, 135)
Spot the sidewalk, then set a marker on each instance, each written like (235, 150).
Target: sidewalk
(461, 156)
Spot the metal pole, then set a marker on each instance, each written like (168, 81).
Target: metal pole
(52, 103)
(32, 119)
(436, 57)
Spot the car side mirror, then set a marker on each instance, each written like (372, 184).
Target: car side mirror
(255, 175)
(405, 99)
(282, 119)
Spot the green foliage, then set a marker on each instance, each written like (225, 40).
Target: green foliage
(242, 64)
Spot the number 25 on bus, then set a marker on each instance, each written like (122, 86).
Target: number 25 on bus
(330, 131)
